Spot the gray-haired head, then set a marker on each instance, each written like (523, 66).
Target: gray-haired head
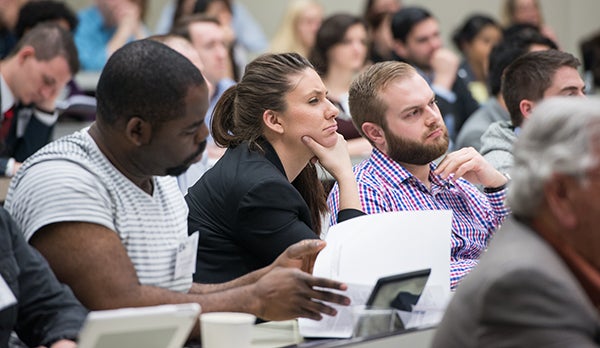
(560, 137)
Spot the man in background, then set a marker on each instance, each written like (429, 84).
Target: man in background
(528, 80)
(102, 206)
(418, 41)
(32, 77)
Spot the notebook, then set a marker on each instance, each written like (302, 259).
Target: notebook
(164, 326)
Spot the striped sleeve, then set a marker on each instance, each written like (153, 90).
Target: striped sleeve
(58, 191)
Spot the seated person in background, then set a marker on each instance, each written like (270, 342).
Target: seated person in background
(248, 31)
(526, 81)
(494, 109)
(32, 302)
(32, 77)
(475, 39)
(377, 14)
(9, 13)
(529, 12)
(72, 101)
(538, 283)
(208, 38)
(340, 52)
(418, 41)
(222, 10)
(396, 110)
(264, 194)
(99, 206)
(298, 27)
(105, 27)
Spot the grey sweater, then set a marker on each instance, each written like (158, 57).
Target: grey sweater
(497, 143)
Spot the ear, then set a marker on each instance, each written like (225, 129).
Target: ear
(138, 131)
(557, 194)
(25, 52)
(272, 120)
(399, 48)
(375, 133)
(526, 107)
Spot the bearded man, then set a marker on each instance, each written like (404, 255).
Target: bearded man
(395, 109)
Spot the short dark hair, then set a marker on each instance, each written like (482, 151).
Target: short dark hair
(500, 57)
(404, 20)
(332, 32)
(146, 79)
(49, 41)
(35, 12)
(529, 76)
(528, 34)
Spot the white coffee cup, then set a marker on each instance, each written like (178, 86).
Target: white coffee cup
(226, 329)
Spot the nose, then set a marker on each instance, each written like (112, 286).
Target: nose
(202, 134)
(332, 110)
(432, 115)
(46, 92)
(222, 51)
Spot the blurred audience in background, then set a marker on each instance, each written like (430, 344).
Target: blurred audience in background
(474, 39)
(526, 12)
(106, 26)
(248, 32)
(9, 14)
(377, 14)
(298, 27)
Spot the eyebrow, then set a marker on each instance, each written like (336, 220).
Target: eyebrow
(412, 107)
(317, 91)
(195, 124)
(572, 88)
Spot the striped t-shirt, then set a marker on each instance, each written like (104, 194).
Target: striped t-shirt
(70, 180)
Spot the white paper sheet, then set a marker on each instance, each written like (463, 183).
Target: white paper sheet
(362, 250)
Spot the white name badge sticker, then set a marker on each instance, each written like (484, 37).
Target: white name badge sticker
(185, 263)
(7, 298)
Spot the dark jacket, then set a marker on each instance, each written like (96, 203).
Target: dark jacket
(46, 310)
(247, 213)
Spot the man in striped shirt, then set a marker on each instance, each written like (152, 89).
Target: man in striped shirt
(102, 207)
(395, 109)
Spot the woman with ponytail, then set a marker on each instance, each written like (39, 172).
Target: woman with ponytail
(264, 194)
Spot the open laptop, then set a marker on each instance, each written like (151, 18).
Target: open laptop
(164, 326)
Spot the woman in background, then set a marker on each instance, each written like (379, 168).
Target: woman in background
(475, 39)
(340, 52)
(298, 27)
(264, 193)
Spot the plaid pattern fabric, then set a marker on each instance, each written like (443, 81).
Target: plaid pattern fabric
(386, 186)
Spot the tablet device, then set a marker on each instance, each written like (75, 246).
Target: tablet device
(400, 291)
(164, 326)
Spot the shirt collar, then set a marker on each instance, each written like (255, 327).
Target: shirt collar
(7, 98)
